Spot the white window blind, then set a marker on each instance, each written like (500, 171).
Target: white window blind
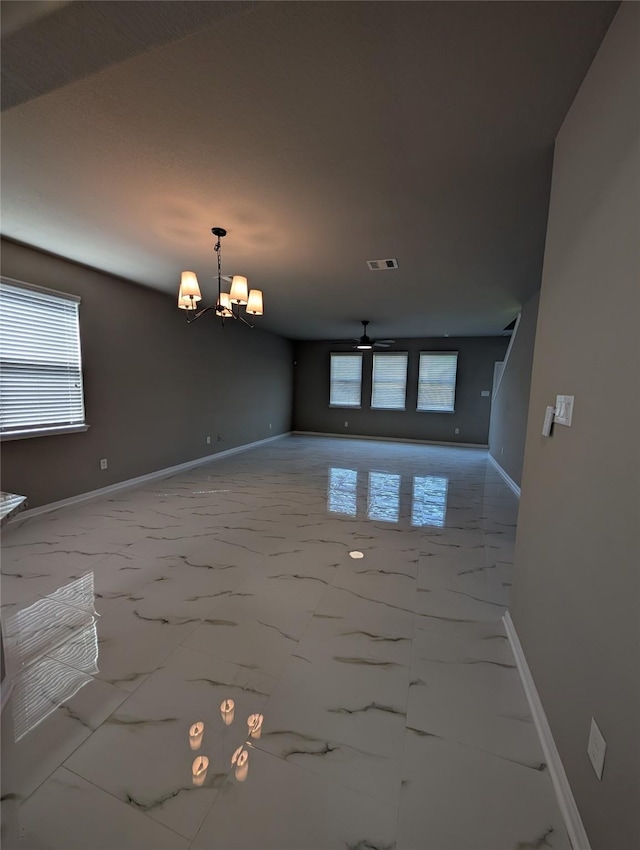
(40, 362)
(346, 380)
(437, 380)
(389, 381)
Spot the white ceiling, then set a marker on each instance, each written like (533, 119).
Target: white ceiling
(320, 134)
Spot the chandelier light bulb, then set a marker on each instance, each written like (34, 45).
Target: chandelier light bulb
(225, 303)
(239, 287)
(189, 286)
(254, 304)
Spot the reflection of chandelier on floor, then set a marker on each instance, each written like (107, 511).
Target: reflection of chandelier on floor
(229, 304)
(239, 759)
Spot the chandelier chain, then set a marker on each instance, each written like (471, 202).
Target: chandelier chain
(218, 250)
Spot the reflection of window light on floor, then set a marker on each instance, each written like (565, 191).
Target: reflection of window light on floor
(342, 495)
(40, 629)
(80, 650)
(429, 500)
(78, 593)
(51, 652)
(40, 689)
(384, 496)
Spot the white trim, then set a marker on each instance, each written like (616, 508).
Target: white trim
(44, 432)
(506, 477)
(566, 801)
(388, 439)
(136, 482)
(506, 356)
(69, 296)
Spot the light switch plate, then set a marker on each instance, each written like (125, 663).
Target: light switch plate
(564, 409)
(596, 748)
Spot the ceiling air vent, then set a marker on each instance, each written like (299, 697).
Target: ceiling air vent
(377, 265)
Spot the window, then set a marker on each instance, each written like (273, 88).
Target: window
(346, 380)
(40, 363)
(389, 381)
(437, 380)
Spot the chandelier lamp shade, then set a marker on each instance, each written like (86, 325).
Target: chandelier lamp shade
(238, 303)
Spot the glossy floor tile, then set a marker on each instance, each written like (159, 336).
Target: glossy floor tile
(300, 646)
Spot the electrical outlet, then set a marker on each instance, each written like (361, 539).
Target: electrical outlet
(103, 463)
(456, 430)
(270, 426)
(485, 393)
(346, 424)
(596, 749)
(501, 450)
(208, 440)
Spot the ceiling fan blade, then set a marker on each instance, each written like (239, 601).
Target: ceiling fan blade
(390, 341)
(381, 345)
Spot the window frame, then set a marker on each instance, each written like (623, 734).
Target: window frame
(403, 354)
(29, 431)
(354, 354)
(455, 382)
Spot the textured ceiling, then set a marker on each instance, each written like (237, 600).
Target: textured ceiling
(320, 134)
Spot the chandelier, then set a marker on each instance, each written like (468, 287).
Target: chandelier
(229, 304)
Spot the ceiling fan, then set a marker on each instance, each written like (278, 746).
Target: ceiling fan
(364, 342)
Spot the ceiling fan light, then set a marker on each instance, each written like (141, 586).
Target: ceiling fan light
(189, 287)
(364, 346)
(254, 304)
(238, 294)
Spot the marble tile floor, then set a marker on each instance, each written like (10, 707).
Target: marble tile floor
(393, 714)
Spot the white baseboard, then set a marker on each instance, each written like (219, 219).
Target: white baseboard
(136, 482)
(389, 439)
(566, 801)
(512, 484)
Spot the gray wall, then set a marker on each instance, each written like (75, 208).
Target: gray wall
(510, 407)
(476, 359)
(576, 593)
(154, 387)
